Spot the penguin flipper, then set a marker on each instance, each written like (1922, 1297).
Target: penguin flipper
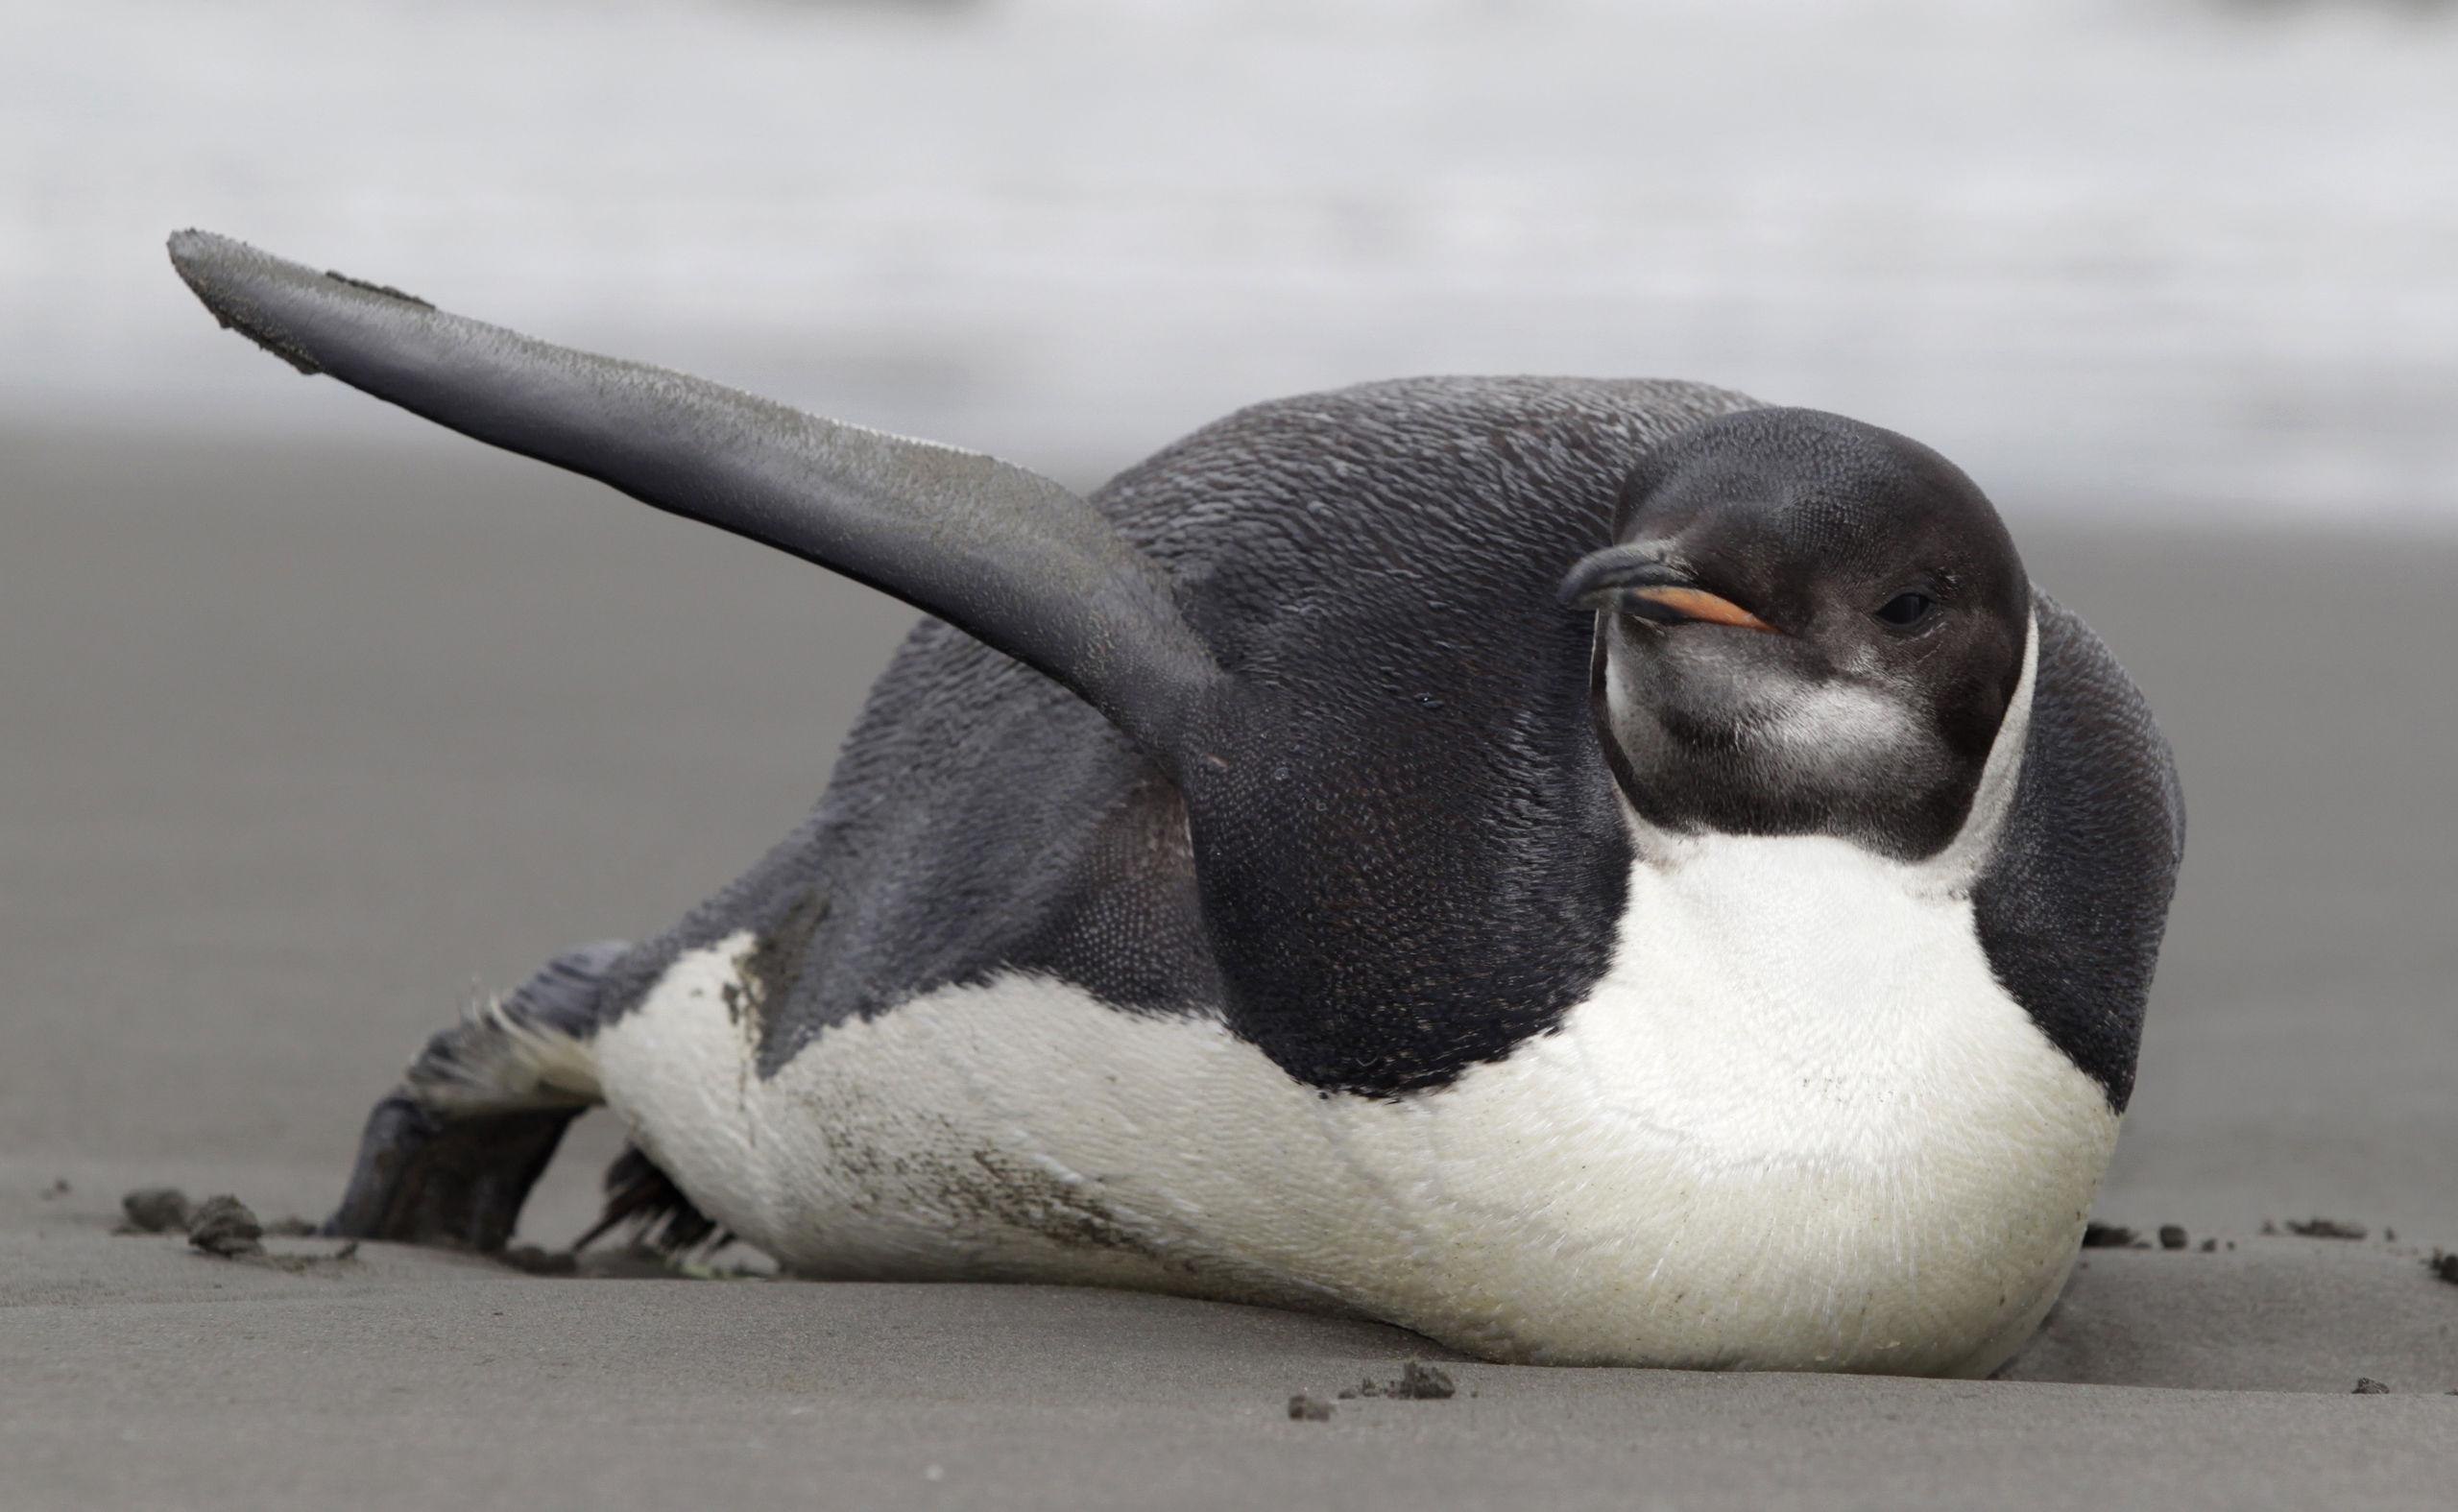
(2074, 904)
(1006, 555)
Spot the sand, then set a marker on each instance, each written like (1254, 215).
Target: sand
(301, 748)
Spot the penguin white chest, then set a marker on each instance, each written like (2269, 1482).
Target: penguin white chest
(1799, 1124)
(1828, 1135)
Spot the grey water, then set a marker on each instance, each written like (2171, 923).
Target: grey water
(2166, 258)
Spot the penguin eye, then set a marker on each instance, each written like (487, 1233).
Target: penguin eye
(1907, 609)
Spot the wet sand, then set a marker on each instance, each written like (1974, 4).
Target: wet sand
(301, 749)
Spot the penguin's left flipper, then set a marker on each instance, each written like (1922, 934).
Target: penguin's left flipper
(1009, 557)
(449, 1157)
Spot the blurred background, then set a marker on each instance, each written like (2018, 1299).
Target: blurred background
(315, 721)
(2119, 254)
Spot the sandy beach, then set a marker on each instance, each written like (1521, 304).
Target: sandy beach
(305, 747)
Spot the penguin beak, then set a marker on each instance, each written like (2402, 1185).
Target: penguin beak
(1638, 581)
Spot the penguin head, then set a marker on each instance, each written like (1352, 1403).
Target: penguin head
(1806, 625)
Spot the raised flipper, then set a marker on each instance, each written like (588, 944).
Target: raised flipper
(449, 1157)
(1006, 555)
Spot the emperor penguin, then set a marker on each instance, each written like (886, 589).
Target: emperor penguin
(1595, 872)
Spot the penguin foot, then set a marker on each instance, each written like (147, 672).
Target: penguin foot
(455, 1181)
(449, 1156)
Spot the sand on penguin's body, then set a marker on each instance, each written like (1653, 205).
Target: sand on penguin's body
(302, 748)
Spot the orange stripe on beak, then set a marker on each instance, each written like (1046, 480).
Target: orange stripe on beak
(1697, 604)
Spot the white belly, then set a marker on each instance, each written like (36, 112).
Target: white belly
(1798, 1125)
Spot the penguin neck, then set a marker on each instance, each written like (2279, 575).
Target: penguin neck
(1951, 870)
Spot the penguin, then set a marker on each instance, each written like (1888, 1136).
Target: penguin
(1594, 872)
